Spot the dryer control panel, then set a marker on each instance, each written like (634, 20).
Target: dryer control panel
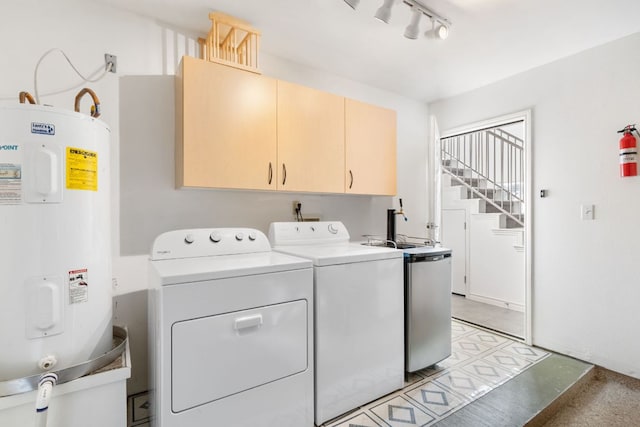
(193, 243)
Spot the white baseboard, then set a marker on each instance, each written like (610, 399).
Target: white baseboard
(496, 302)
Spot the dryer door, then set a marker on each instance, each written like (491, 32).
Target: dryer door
(217, 356)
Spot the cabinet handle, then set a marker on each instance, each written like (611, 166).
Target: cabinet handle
(351, 175)
(284, 173)
(270, 173)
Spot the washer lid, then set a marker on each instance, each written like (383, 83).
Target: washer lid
(185, 270)
(341, 253)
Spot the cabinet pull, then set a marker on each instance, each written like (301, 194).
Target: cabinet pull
(270, 173)
(351, 175)
(284, 173)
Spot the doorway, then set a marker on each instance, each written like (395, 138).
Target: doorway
(485, 218)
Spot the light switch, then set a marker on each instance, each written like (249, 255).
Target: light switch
(586, 211)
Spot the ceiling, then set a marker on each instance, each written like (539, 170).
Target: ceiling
(489, 39)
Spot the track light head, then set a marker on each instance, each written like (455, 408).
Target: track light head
(384, 12)
(413, 29)
(438, 30)
(352, 3)
(442, 31)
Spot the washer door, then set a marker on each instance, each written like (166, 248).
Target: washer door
(217, 356)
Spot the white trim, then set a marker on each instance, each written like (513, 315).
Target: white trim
(493, 122)
(497, 302)
(507, 231)
(528, 229)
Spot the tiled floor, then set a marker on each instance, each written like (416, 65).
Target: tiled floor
(500, 319)
(480, 361)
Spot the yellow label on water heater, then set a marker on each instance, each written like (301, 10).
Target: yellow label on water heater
(82, 169)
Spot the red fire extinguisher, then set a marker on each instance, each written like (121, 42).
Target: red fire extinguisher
(628, 152)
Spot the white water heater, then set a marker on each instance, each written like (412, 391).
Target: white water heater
(55, 250)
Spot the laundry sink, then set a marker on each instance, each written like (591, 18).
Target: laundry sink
(399, 245)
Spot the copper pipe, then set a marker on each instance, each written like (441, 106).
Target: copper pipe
(24, 96)
(95, 108)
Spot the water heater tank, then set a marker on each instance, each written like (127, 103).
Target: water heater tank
(55, 252)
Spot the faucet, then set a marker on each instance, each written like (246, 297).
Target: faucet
(391, 222)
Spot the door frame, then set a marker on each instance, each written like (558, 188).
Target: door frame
(525, 116)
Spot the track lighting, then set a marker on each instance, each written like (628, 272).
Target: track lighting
(412, 30)
(440, 25)
(384, 12)
(352, 3)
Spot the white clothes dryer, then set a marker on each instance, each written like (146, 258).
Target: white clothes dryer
(359, 314)
(231, 331)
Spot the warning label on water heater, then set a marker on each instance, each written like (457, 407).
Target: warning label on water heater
(82, 169)
(78, 286)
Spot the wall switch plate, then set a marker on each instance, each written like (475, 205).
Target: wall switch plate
(586, 212)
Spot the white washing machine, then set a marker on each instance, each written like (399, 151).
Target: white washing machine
(359, 314)
(231, 331)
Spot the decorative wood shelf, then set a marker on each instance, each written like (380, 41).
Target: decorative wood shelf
(231, 42)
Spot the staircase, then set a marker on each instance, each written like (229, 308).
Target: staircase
(482, 185)
(457, 185)
(488, 164)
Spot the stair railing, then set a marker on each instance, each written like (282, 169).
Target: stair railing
(489, 163)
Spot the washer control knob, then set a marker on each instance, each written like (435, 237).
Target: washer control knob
(312, 228)
(239, 237)
(188, 239)
(252, 236)
(333, 229)
(215, 237)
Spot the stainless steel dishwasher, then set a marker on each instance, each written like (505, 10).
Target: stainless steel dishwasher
(427, 280)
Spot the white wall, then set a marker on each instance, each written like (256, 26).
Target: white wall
(86, 30)
(144, 200)
(586, 284)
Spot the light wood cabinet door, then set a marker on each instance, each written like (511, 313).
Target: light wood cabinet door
(310, 139)
(370, 141)
(225, 126)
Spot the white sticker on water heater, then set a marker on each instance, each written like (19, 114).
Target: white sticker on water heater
(78, 286)
(10, 184)
(10, 173)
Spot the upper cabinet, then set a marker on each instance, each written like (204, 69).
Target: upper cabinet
(370, 141)
(241, 130)
(225, 127)
(310, 139)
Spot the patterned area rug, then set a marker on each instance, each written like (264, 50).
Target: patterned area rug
(480, 361)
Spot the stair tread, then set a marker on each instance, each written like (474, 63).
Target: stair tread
(466, 188)
(525, 398)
